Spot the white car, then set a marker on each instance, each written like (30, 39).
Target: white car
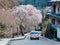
(34, 35)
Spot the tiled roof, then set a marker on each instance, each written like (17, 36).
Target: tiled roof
(54, 1)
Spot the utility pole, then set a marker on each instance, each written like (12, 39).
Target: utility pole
(42, 9)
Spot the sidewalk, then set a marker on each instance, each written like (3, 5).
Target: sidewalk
(6, 40)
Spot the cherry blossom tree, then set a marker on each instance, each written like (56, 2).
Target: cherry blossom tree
(29, 17)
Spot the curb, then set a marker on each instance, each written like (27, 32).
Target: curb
(18, 38)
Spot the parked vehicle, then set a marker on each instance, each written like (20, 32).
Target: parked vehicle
(34, 35)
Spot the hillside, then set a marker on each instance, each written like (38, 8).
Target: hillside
(7, 3)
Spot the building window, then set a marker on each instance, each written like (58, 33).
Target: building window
(59, 9)
(53, 21)
(54, 8)
(58, 22)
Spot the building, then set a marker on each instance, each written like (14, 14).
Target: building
(54, 16)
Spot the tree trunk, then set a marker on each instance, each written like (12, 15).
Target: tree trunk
(21, 31)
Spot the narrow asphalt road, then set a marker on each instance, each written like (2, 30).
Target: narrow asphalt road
(41, 41)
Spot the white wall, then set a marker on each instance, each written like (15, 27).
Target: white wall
(58, 32)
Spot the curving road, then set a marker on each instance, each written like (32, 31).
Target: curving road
(41, 41)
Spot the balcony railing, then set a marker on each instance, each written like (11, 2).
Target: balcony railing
(54, 15)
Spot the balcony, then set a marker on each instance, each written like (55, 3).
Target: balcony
(55, 25)
(54, 15)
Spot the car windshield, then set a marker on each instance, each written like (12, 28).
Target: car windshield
(38, 30)
(34, 32)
